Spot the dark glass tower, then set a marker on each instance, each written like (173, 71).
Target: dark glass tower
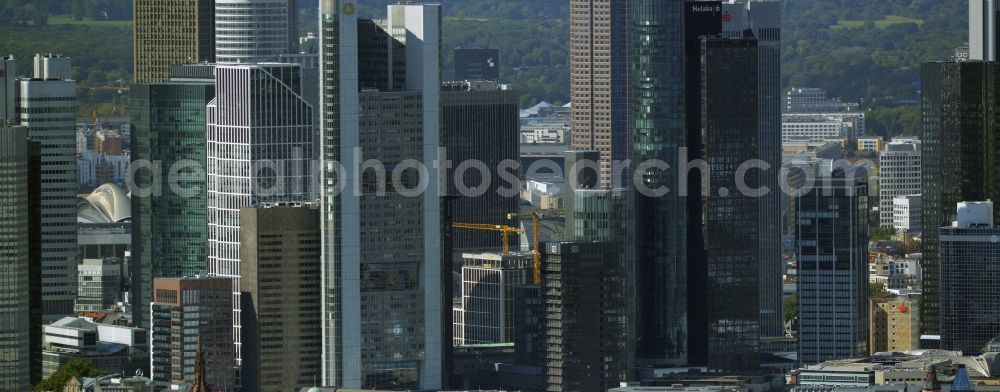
(169, 223)
(970, 317)
(659, 132)
(477, 64)
(584, 316)
(960, 157)
(480, 122)
(729, 283)
(832, 251)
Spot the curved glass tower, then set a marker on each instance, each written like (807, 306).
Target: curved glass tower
(249, 31)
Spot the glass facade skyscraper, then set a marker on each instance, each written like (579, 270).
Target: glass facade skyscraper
(960, 158)
(14, 277)
(169, 226)
(832, 251)
(659, 133)
(970, 315)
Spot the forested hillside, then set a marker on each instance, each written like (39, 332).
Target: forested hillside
(866, 50)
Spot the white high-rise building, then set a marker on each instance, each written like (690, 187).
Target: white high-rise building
(983, 30)
(248, 31)
(259, 150)
(899, 175)
(383, 302)
(46, 104)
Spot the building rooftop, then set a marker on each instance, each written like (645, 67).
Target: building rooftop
(109, 203)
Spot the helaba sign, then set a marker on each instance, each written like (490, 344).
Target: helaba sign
(705, 8)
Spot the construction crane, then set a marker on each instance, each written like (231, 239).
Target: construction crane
(505, 231)
(536, 256)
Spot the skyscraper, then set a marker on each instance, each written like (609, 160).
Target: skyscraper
(983, 16)
(169, 225)
(729, 282)
(390, 110)
(584, 316)
(280, 257)
(248, 31)
(959, 159)
(46, 106)
(473, 115)
(601, 81)
(832, 251)
(764, 18)
(14, 263)
(487, 307)
(899, 175)
(259, 150)
(8, 88)
(204, 307)
(169, 33)
(659, 133)
(969, 254)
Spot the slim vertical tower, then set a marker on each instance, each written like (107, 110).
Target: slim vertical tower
(659, 133)
(601, 81)
(46, 105)
(983, 16)
(168, 33)
(8, 89)
(14, 276)
(378, 275)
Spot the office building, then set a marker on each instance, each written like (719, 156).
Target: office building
(474, 115)
(15, 297)
(168, 33)
(832, 252)
(814, 100)
(392, 114)
(959, 161)
(584, 316)
(983, 30)
(259, 150)
(601, 81)
(477, 64)
(529, 326)
(46, 106)
(280, 268)
(763, 18)
(822, 127)
(487, 303)
(906, 213)
(249, 31)
(100, 285)
(723, 265)
(169, 226)
(871, 144)
(969, 254)
(899, 175)
(895, 325)
(659, 133)
(124, 349)
(203, 306)
(8, 89)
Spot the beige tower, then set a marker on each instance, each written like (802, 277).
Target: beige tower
(600, 80)
(169, 33)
